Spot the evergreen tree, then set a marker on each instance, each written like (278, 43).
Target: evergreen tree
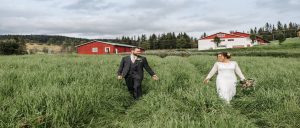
(253, 38)
(217, 41)
(279, 26)
(281, 37)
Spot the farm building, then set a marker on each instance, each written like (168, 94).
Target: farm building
(298, 33)
(232, 40)
(100, 47)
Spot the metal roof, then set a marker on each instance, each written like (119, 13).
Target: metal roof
(115, 44)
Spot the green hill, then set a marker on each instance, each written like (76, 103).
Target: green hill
(45, 39)
(288, 41)
(289, 48)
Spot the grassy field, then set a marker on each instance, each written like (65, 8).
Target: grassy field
(82, 91)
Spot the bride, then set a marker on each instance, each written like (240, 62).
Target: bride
(226, 78)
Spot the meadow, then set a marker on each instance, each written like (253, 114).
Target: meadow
(82, 91)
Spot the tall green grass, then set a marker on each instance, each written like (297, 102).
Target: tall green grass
(82, 91)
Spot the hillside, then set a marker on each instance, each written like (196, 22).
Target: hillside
(289, 48)
(35, 48)
(45, 39)
(40, 44)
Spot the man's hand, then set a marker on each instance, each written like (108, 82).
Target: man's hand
(154, 77)
(120, 77)
(206, 81)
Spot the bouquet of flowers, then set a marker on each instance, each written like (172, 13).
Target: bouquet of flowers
(247, 83)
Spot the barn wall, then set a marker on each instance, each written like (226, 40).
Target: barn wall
(206, 44)
(87, 49)
(123, 49)
(237, 42)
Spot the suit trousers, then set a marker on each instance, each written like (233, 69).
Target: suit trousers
(134, 86)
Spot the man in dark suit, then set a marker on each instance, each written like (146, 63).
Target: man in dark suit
(132, 69)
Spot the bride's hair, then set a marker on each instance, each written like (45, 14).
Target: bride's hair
(225, 54)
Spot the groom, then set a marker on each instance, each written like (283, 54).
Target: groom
(131, 68)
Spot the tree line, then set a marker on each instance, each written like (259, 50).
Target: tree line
(168, 40)
(16, 44)
(154, 41)
(277, 31)
(44, 39)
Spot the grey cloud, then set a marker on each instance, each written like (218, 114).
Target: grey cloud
(110, 18)
(90, 5)
(280, 6)
(20, 13)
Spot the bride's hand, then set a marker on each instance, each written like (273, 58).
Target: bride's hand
(206, 81)
(155, 77)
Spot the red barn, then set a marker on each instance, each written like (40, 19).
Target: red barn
(100, 47)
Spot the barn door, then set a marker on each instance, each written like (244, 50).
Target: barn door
(107, 49)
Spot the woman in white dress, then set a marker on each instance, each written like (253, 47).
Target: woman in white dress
(226, 78)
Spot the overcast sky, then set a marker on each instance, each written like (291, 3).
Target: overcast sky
(114, 18)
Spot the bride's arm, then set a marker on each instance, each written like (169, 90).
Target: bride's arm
(212, 72)
(238, 71)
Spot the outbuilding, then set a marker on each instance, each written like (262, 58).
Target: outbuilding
(229, 40)
(101, 47)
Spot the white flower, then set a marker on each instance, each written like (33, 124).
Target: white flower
(228, 54)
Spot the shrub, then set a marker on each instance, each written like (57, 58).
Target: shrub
(11, 47)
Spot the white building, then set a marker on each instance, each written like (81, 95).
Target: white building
(232, 40)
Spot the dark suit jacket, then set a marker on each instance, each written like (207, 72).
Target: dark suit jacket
(139, 65)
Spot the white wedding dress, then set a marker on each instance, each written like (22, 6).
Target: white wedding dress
(226, 78)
